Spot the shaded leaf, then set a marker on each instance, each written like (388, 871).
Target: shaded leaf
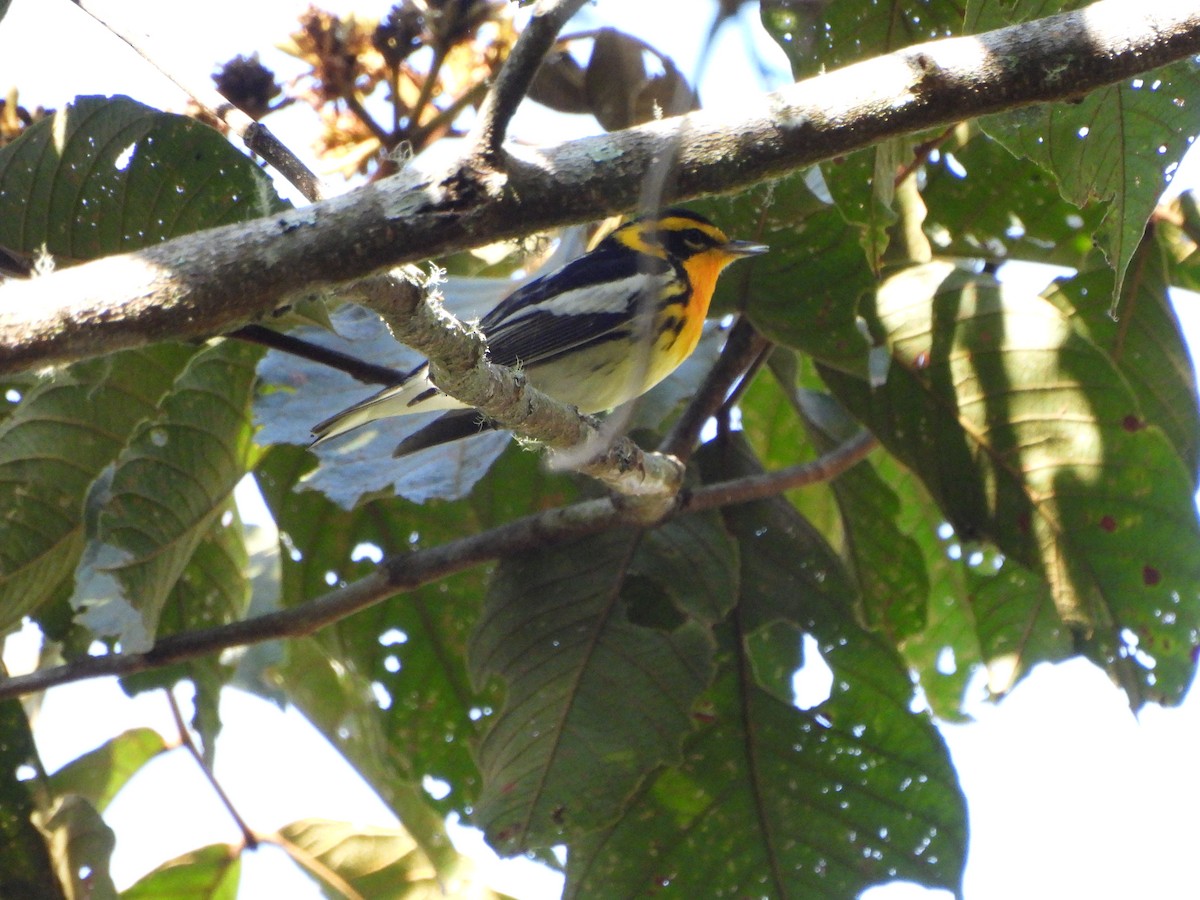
(819, 36)
(153, 507)
(81, 845)
(774, 801)
(26, 869)
(1119, 145)
(60, 437)
(593, 700)
(974, 211)
(105, 175)
(98, 775)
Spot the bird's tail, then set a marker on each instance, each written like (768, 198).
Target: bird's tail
(453, 426)
(416, 393)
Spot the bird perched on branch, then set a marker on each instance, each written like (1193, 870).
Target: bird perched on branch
(595, 333)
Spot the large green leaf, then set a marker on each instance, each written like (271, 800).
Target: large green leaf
(819, 36)
(771, 800)
(1028, 435)
(104, 175)
(101, 176)
(803, 293)
(149, 512)
(64, 432)
(1146, 343)
(603, 646)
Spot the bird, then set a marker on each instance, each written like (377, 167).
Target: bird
(599, 331)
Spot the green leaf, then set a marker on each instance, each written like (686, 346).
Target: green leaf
(153, 507)
(594, 701)
(1119, 144)
(210, 873)
(99, 775)
(774, 801)
(106, 175)
(26, 868)
(65, 431)
(804, 293)
(973, 210)
(1027, 435)
(819, 36)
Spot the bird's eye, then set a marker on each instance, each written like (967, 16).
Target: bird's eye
(696, 240)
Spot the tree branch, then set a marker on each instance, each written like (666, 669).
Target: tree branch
(409, 571)
(213, 281)
(512, 84)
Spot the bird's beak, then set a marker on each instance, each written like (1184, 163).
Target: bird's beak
(738, 249)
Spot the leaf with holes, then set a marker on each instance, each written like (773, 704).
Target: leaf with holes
(1027, 435)
(776, 801)
(1119, 144)
(603, 646)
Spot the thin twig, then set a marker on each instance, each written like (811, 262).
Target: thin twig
(517, 73)
(369, 373)
(256, 136)
(742, 348)
(249, 838)
(409, 571)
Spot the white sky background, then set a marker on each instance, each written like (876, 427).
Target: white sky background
(1069, 794)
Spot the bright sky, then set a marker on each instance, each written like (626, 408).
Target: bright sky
(1069, 795)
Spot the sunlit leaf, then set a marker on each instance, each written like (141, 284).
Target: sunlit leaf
(380, 863)
(210, 873)
(98, 775)
(1027, 435)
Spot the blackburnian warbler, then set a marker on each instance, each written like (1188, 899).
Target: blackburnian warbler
(601, 330)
